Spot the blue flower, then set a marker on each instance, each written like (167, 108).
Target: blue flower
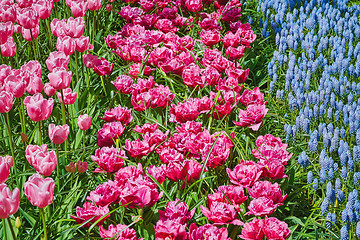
(325, 206)
(344, 233)
(344, 173)
(323, 175)
(315, 184)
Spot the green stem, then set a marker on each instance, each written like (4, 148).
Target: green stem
(33, 44)
(84, 140)
(57, 168)
(23, 124)
(12, 229)
(63, 118)
(93, 32)
(63, 108)
(102, 82)
(4, 229)
(77, 68)
(7, 121)
(2, 59)
(20, 115)
(44, 222)
(40, 134)
(50, 33)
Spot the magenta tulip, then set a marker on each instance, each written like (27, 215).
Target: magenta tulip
(39, 191)
(58, 134)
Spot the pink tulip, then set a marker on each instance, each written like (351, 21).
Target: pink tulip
(6, 101)
(30, 34)
(57, 60)
(109, 7)
(60, 78)
(15, 85)
(253, 230)
(35, 84)
(109, 159)
(66, 44)
(32, 150)
(92, 213)
(44, 162)
(89, 60)
(94, 5)
(5, 71)
(44, 8)
(58, 134)
(39, 191)
(75, 27)
(78, 8)
(84, 122)
(69, 96)
(24, 3)
(9, 201)
(6, 31)
(58, 27)
(103, 67)
(7, 13)
(120, 231)
(8, 49)
(38, 108)
(207, 231)
(276, 229)
(28, 17)
(32, 67)
(5, 164)
(49, 90)
(105, 194)
(82, 43)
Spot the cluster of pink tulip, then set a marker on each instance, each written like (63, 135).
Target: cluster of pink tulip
(14, 83)
(26, 14)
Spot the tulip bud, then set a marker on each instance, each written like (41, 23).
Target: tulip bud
(81, 166)
(84, 122)
(70, 167)
(24, 137)
(18, 222)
